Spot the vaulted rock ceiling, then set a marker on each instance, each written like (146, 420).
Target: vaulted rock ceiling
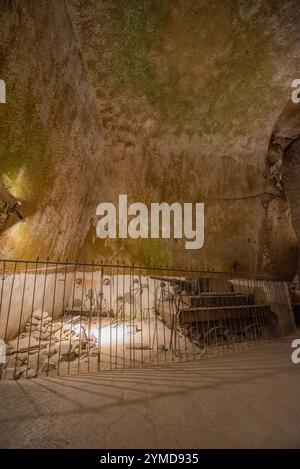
(161, 100)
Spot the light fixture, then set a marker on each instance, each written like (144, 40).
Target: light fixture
(13, 209)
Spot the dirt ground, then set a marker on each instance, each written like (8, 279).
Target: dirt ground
(249, 399)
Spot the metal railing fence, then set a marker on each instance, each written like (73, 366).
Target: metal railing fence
(59, 318)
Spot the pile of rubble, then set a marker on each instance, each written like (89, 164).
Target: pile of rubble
(43, 345)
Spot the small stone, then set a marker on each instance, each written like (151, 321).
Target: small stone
(25, 343)
(39, 314)
(23, 368)
(69, 357)
(53, 350)
(11, 373)
(10, 350)
(31, 373)
(34, 321)
(162, 348)
(60, 334)
(65, 347)
(36, 335)
(75, 345)
(47, 327)
(83, 334)
(32, 362)
(47, 321)
(23, 357)
(49, 366)
(31, 328)
(16, 358)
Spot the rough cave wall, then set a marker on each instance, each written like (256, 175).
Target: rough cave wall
(283, 162)
(188, 93)
(51, 137)
(291, 182)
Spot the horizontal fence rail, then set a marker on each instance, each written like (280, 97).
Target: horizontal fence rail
(58, 318)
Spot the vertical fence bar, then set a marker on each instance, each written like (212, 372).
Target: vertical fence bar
(62, 315)
(72, 318)
(148, 317)
(288, 308)
(2, 286)
(10, 300)
(171, 320)
(124, 316)
(52, 317)
(163, 320)
(100, 318)
(264, 320)
(141, 312)
(196, 304)
(82, 311)
(42, 318)
(280, 318)
(117, 314)
(244, 338)
(20, 320)
(175, 314)
(110, 315)
(155, 335)
(91, 317)
(31, 314)
(1, 299)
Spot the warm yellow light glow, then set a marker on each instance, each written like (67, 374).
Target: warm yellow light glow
(16, 232)
(15, 188)
(18, 237)
(106, 335)
(110, 335)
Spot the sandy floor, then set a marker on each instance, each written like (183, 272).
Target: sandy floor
(250, 399)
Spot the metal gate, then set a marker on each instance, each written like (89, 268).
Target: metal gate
(59, 318)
